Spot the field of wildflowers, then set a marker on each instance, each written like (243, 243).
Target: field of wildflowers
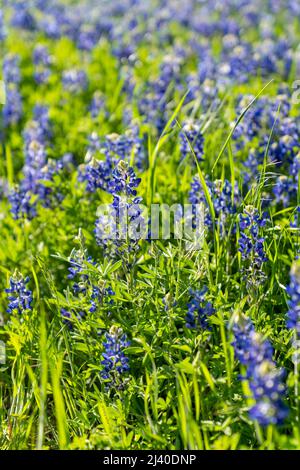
(133, 335)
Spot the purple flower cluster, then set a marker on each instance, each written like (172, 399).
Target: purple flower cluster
(251, 244)
(115, 363)
(13, 109)
(224, 199)
(128, 146)
(11, 69)
(191, 137)
(98, 173)
(293, 290)
(2, 26)
(22, 17)
(199, 310)
(253, 133)
(153, 103)
(90, 293)
(69, 316)
(74, 81)
(42, 62)
(118, 231)
(20, 298)
(38, 171)
(97, 104)
(265, 379)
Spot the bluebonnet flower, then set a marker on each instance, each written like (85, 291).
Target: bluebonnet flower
(260, 117)
(11, 69)
(249, 346)
(115, 363)
(22, 16)
(124, 180)
(46, 193)
(268, 390)
(38, 171)
(124, 52)
(35, 160)
(66, 316)
(69, 316)
(37, 168)
(94, 144)
(85, 286)
(295, 220)
(224, 199)
(101, 295)
(13, 108)
(285, 190)
(33, 132)
(199, 310)
(2, 27)
(20, 297)
(153, 104)
(41, 116)
(97, 174)
(191, 137)
(251, 246)
(97, 104)
(21, 204)
(120, 230)
(12, 77)
(79, 259)
(74, 81)
(265, 379)
(293, 290)
(50, 26)
(41, 55)
(87, 38)
(42, 61)
(286, 144)
(128, 146)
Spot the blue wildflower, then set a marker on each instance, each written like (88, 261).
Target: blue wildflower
(87, 38)
(285, 190)
(128, 146)
(268, 390)
(101, 294)
(42, 61)
(191, 137)
(221, 195)
(293, 290)
(2, 27)
(94, 144)
(251, 245)
(20, 297)
(97, 104)
(124, 180)
(120, 230)
(265, 379)
(13, 108)
(115, 363)
(22, 205)
(74, 81)
(68, 317)
(11, 69)
(199, 310)
(22, 16)
(97, 174)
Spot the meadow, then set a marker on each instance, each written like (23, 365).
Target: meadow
(127, 342)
